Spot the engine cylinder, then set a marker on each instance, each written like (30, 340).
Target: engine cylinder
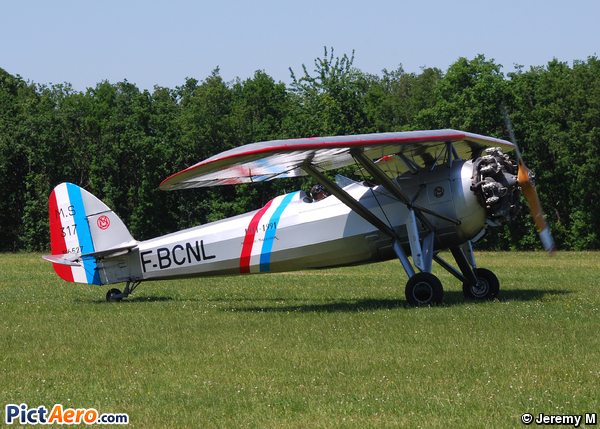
(494, 181)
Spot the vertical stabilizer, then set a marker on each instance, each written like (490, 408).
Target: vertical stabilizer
(81, 224)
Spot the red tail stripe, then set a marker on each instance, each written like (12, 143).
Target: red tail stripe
(57, 241)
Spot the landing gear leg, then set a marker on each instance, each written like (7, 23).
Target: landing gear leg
(116, 295)
(423, 288)
(478, 283)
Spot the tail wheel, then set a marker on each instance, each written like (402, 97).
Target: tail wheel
(110, 295)
(424, 289)
(487, 287)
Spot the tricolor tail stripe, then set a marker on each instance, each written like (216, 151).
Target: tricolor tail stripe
(70, 233)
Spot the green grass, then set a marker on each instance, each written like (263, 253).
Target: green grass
(322, 349)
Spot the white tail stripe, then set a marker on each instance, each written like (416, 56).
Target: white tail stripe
(76, 231)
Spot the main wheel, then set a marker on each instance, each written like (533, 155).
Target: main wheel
(424, 289)
(110, 295)
(487, 288)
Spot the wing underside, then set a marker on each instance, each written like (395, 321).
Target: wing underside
(270, 160)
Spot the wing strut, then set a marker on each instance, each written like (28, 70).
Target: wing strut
(395, 190)
(380, 176)
(363, 212)
(347, 199)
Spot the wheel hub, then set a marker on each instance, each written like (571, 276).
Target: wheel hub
(423, 292)
(481, 289)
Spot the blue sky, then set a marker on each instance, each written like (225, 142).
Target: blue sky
(153, 42)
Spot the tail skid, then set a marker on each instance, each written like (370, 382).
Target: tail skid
(83, 228)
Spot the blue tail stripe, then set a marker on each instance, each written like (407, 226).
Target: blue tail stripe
(83, 233)
(265, 253)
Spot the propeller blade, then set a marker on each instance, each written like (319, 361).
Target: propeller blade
(525, 178)
(528, 189)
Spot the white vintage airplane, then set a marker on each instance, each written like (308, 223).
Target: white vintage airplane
(436, 190)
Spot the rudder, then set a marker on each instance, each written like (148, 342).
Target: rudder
(80, 225)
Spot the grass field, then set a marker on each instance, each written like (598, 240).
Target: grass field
(319, 349)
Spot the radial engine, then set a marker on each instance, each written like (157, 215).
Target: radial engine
(494, 181)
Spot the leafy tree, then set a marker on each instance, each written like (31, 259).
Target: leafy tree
(15, 95)
(557, 111)
(395, 100)
(331, 102)
(120, 143)
(468, 97)
(29, 146)
(260, 108)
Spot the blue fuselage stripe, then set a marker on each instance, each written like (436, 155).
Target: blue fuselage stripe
(265, 254)
(83, 233)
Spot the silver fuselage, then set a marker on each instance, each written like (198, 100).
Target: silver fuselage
(291, 233)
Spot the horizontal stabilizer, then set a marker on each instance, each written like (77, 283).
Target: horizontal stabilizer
(68, 259)
(75, 259)
(114, 251)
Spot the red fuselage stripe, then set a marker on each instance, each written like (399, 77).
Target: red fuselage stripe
(57, 241)
(249, 240)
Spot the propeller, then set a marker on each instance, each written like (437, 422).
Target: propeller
(526, 180)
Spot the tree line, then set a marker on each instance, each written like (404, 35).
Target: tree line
(119, 142)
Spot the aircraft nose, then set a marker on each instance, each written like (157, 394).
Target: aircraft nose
(495, 183)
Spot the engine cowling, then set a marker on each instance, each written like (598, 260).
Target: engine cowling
(477, 193)
(495, 184)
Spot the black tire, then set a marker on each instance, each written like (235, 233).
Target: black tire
(424, 289)
(110, 295)
(488, 287)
